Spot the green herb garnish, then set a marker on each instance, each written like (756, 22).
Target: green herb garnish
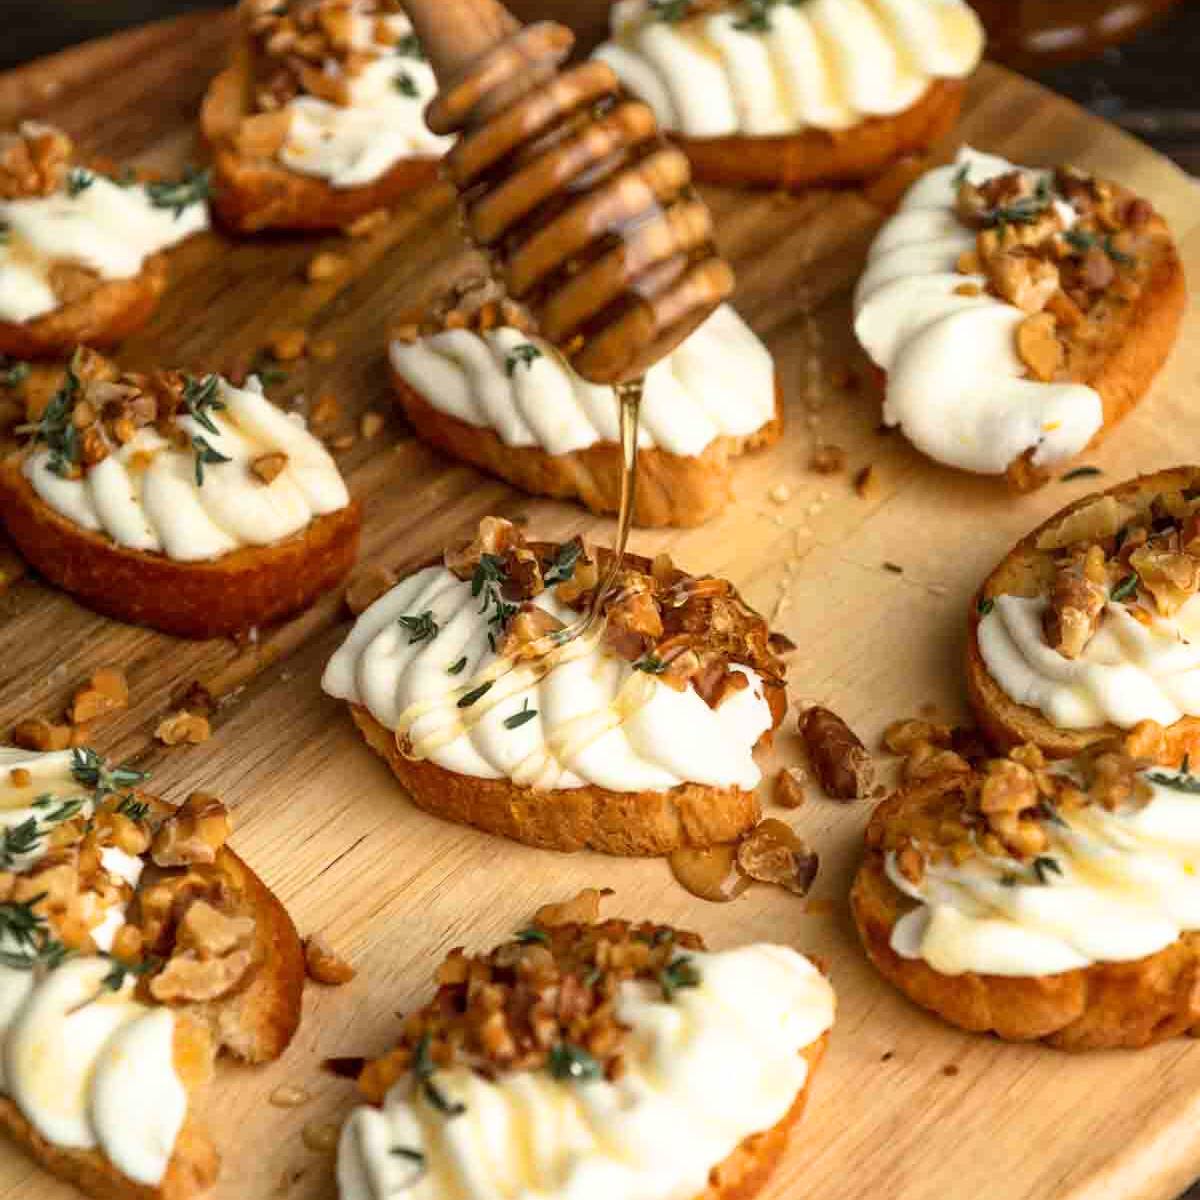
(1188, 784)
(12, 372)
(55, 427)
(421, 628)
(1044, 866)
(520, 718)
(651, 664)
(456, 668)
(568, 1061)
(135, 810)
(78, 181)
(409, 46)
(206, 455)
(418, 1161)
(474, 695)
(524, 355)
(985, 606)
(1021, 212)
(90, 770)
(406, 85)
(26, 937)
(680, 974)
(201, 400)
(1081, 473)
(1126, 588)
(119, 971)
(562, 566)
(528, 936)
(192, 187)
(671, 11)
(488, 581)
(423, 1069)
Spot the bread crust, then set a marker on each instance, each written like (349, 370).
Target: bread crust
(673, 490)
(817, 156)
(636, 824)
(255, 1024)
(1025, 571)
(110, 312)
(250, 195)
(1104, 1006)
(248, 587)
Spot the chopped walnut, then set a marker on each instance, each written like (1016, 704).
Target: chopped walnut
(268, 467)
(33, 161)
(195, 833)
(371, 424)
(866, 482)
(925, 761)
(789, 787)
(106, 692)
(1038, 346)
(582, 909)
(325, 266)
(182, 727)
(1023, 280)
(210, 932)
(288, 345)
(36, 733)
(187, 978)
(773, 853)
(526, 629)
(327, 410)
(902, 737)
(842, 763)
(369, 223)
(323, 965)
(1076, 605)
(1170, 576)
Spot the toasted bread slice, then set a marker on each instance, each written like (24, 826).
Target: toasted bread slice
(567, 950)
(705, 638)
(672, 490)
(112, 311)
(236, 592)
(815, 157)
(1107, 1005)
(1028, 570)
(254, 1023)
(251, 194)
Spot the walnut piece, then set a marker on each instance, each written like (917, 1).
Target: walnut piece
(773, 853)
(1076, 605)
(36, 733)
(323, 965)
(789, 787)
(106, 692)
(33, 161)
(1170, 576)
(1038, 346)
(189, 978)
(1023, 280)
(842, 763)
(268, 467)
(194, 834)
(210, 932)
(581, 909)
(182, 727)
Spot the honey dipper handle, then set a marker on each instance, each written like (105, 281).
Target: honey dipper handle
(454, 33)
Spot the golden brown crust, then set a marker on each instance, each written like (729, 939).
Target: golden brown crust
(250, 195)
(673, 490)
(586, 818)
(113, 310)
(248, 587)
(1104, 1006)
(1026, 571)
(816, 156)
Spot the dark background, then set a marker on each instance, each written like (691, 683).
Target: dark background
(1150, 86)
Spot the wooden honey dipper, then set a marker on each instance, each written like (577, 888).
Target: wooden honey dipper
(585, 212)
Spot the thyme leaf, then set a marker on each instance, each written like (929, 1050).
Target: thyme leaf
(409, 46)
(27, 937)
(528, 936)
(1188, 784)
(12, 372)
(568, 1061)
(1081, 473)
(456, 668)
(524, 355)
(90, 769)
(562, 566)
(520, 718)
(201, 400)
(985, 606)
(680, 974)
(651, 664)
(474, 695)
(55, 427)
(1044, 866)
(670, 11)
(418, 1161)
(406, 85)
(422, 628)
(135, 810)
(206, 455)
(119, 971)
(192, 187)
(488, 581)
(78, 181)
(423, 1069)
(1126, 588)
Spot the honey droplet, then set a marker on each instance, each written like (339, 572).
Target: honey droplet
(712, 874)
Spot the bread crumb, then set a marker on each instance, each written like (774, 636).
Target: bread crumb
(181, 727)
(371, 424)
(789, 787)
(583, 908)
(106, 692)
(325, 266)
(323, 965)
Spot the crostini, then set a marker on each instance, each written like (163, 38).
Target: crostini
(82, 253)
(1040, 902)
(477, 382)
(636, 739)
(1090, 626)
(799, 94)
(1017, 315)
(175, 501)
(134, 947)
(320, 118)
(663, 1071)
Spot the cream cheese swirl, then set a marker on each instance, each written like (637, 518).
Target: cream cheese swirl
(103, 226)
(719, 1062)
(1127, 673)
(719, 383)
(821, 64)
(88, 1066)
(596, 720)
(955, 384)
(146, 495)
(384, 122)
(1124, 885)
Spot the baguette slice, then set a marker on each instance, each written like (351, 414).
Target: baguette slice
(1107, 1005)
(672, 490)
(1028, 570)
(231, 594)
(816, 157)
(566, 948)
(251, 193)
(254, 1024)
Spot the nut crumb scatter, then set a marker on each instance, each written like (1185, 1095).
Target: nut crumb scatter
(789, 787)
(106, 692)
(323, 965)
(183, 727)
(325, 266)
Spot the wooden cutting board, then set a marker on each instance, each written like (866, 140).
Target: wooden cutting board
(905, 1108)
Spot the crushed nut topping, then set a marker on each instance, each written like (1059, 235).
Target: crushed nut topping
(193, 834)
(106, 692)
(475, 304)
(774, 853)
(33, 161)
(517, 1007)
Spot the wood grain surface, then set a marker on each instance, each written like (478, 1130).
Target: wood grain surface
(904, 1108)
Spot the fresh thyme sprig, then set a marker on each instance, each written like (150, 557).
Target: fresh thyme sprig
(524, 355)
(55, 427)
(520, 718)
(1083, 240)
(1021, 212)
(423, 1068)
(1126, 588)
(422, 628)
(91, 771)
(562, 566)
(488, 581)
(206, 455)
(406, 85)
(26, 937)
(192, 187)
(1044, 866)
(1188, 784)
(651, 664)
(78, 181)
(201, 399)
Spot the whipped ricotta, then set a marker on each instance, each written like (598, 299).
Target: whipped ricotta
(1127, 885)
(596, 720)
(145, 494)
(354, 144)
(821, 64)
(719, 1062)
(955, 384)
(719, 383)
(104, 227)
(1127, 673)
